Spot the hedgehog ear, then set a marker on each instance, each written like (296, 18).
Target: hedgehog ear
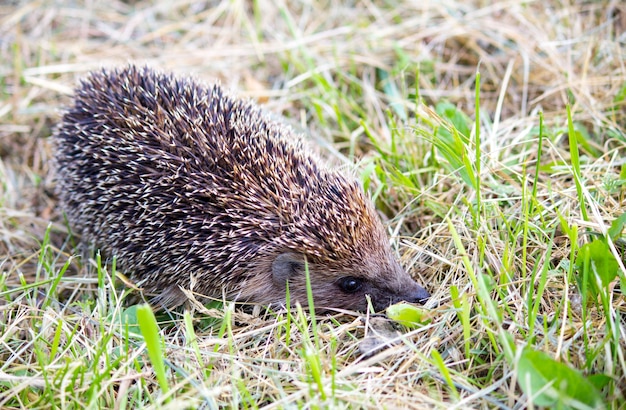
(285, 266)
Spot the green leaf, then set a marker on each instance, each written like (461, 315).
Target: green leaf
(603, 263)
(583, 138)
(600, 380)
(127, 319)
(409, 315)
(549, 383)
(452, 141)
(457, 118)
(622, 173)
(615, 231)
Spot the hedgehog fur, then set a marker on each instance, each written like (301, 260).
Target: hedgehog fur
(191, 188)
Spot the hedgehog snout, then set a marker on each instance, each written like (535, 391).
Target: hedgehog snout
(406, 288)
(419, 295)
(411, 293)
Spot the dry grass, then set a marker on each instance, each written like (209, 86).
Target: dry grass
(346, 75)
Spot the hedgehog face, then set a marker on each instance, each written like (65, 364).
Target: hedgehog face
(334, 288)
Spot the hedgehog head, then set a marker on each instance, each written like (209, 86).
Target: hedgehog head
(346, 251)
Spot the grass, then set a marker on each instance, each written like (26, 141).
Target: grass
(491, 137)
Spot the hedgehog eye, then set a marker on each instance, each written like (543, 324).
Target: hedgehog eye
(350, 284)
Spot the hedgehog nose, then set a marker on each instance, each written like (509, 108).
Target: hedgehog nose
(420, 296)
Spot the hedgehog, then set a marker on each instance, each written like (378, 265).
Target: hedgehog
(192, 189)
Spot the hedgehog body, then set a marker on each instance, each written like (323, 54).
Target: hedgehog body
(190, 188)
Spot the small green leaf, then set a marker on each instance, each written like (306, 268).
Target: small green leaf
(583, 138)
(549, 383)
(489, 281)
(409, 315)
(615, 231)
(600, 380)
(452, 141)
(603, 263)
(128, 320)
(622, 173)
(455, 296)
(456, 117)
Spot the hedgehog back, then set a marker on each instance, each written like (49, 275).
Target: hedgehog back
(180, 181)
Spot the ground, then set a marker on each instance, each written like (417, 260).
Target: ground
(490, 136)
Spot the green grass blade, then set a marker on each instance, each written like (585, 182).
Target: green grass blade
(154, 344)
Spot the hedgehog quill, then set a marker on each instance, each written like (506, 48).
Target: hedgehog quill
(191, 188)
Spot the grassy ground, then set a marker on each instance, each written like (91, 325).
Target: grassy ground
(499, 199)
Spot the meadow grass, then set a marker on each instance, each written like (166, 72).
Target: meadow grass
(491, 137)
